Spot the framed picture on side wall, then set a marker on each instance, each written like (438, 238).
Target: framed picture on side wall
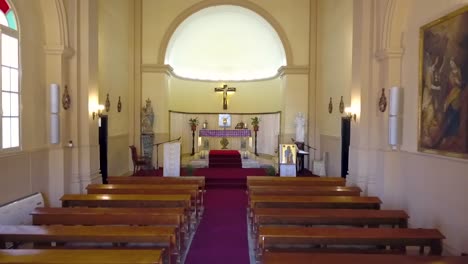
(443, 88)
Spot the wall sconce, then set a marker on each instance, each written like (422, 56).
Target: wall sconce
(350, 114)
(383, 101)
(107, 105)
(98, 112)
(341, 105)
(66, 101)
(119, 106)
(330, 106)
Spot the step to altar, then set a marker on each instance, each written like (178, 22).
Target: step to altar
(249, 160)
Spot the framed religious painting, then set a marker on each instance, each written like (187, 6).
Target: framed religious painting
(443, 89)
(288, 154)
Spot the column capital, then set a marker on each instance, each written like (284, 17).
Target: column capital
(385, 54)
(66, 52)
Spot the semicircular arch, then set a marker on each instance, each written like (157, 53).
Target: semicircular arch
(210, 3)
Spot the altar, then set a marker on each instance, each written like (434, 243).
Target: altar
(210, 138)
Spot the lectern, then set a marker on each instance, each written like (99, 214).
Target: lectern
(171, 159)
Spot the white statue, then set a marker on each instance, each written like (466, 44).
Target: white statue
(300, 124)
(147, 118)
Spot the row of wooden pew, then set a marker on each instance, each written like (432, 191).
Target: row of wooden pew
(155, 215)
(319, 220)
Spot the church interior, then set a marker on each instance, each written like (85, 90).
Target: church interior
(370, 94)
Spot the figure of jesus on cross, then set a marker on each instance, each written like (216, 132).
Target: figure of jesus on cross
(225, 89)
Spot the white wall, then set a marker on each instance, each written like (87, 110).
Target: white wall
(115, 74)
(25, 172)
(434, 186)
(334, 50)
(335, 31)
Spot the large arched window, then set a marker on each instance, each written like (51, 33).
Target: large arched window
(225, 42)
(9, 79)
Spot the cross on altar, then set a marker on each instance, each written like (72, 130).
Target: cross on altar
(225, 89)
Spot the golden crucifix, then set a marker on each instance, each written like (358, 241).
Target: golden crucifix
(225, 89)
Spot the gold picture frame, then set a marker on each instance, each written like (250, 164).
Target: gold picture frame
(288, 154)
(443, 88)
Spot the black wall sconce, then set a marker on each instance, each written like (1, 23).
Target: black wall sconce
(330, 106)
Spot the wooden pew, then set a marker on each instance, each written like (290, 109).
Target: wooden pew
(158, 236)
(126, 200)
(294, 181)
(271, 238)
(307, 258)
(198, 180)
(190, 189)
(114, 216)
(307, 217)
(305, 190)
(80, 256)
(334, 202)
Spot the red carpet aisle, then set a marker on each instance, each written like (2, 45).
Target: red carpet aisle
(221, 236)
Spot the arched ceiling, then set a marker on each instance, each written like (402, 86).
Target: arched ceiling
(225, 43)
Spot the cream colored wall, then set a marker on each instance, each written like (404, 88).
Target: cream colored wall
(331, 145)
(334, 36)
(434, 186)
(25, 172)
(334, 56)
(250, 97)
(114, 77)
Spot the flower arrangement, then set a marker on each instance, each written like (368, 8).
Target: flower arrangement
(255, 122)
(193, 122)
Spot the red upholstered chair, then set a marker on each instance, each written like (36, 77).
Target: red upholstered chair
(139, 162)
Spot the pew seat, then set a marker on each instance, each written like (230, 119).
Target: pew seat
(346, 240)
(305, 190)
(334, 202)
(114, 216)
(151, 189)
(307, 258)
(126, 200)
(80, 256)
(308, 217)
(294, 181)
(198, 180)
(72, 236)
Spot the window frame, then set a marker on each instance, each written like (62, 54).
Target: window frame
(14, 34)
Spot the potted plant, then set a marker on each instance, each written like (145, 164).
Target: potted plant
(193, 122)
(255, 122)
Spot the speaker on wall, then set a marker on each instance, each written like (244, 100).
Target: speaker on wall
(54, 114)
(54, 129)
(54, 98)
(395, 117)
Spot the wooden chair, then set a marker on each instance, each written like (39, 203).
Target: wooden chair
(139, 162)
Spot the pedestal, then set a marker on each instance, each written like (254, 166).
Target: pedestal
(193, 143)
(256, 154)
(147, 141)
